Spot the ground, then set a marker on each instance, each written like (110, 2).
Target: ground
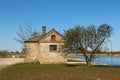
(5, 62)
(36, 71)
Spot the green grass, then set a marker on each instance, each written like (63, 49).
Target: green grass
(59, 72)
(74, 61)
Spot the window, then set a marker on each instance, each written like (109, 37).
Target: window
(53, 37)
(53, 47)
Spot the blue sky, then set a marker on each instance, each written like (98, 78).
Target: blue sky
(58, 14)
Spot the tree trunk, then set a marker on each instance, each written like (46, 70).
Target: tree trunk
(88, 62)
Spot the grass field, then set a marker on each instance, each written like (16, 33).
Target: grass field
(59, 72)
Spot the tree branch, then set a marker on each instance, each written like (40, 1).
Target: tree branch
(93, 52)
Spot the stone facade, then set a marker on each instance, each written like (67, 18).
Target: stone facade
(32, 52)
(45, 48)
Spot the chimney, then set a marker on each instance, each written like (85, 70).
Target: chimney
(43, 30)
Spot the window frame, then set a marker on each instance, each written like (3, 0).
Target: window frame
(52, 48)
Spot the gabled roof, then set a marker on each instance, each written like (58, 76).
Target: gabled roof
(37, 38)
(56, 32)
(34, 39)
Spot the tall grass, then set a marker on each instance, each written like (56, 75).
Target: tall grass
(58, 72)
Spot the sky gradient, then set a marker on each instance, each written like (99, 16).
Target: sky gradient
(58, 14)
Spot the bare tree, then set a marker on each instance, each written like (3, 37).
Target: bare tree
(87, 40)
(24, 32)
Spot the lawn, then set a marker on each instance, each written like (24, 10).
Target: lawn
(59, 72)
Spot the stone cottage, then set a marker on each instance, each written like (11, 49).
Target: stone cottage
(45, 48)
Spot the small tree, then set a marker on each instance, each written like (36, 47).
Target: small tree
(87, 40)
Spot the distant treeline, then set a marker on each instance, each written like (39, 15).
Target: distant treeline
(6, 54)
(99, 53)
(105, 53)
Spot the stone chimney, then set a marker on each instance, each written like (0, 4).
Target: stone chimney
(43, 30)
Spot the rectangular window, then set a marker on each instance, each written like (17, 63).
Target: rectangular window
(53, 37)
(53, 47)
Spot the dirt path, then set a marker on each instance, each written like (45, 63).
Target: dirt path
(5, 62)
